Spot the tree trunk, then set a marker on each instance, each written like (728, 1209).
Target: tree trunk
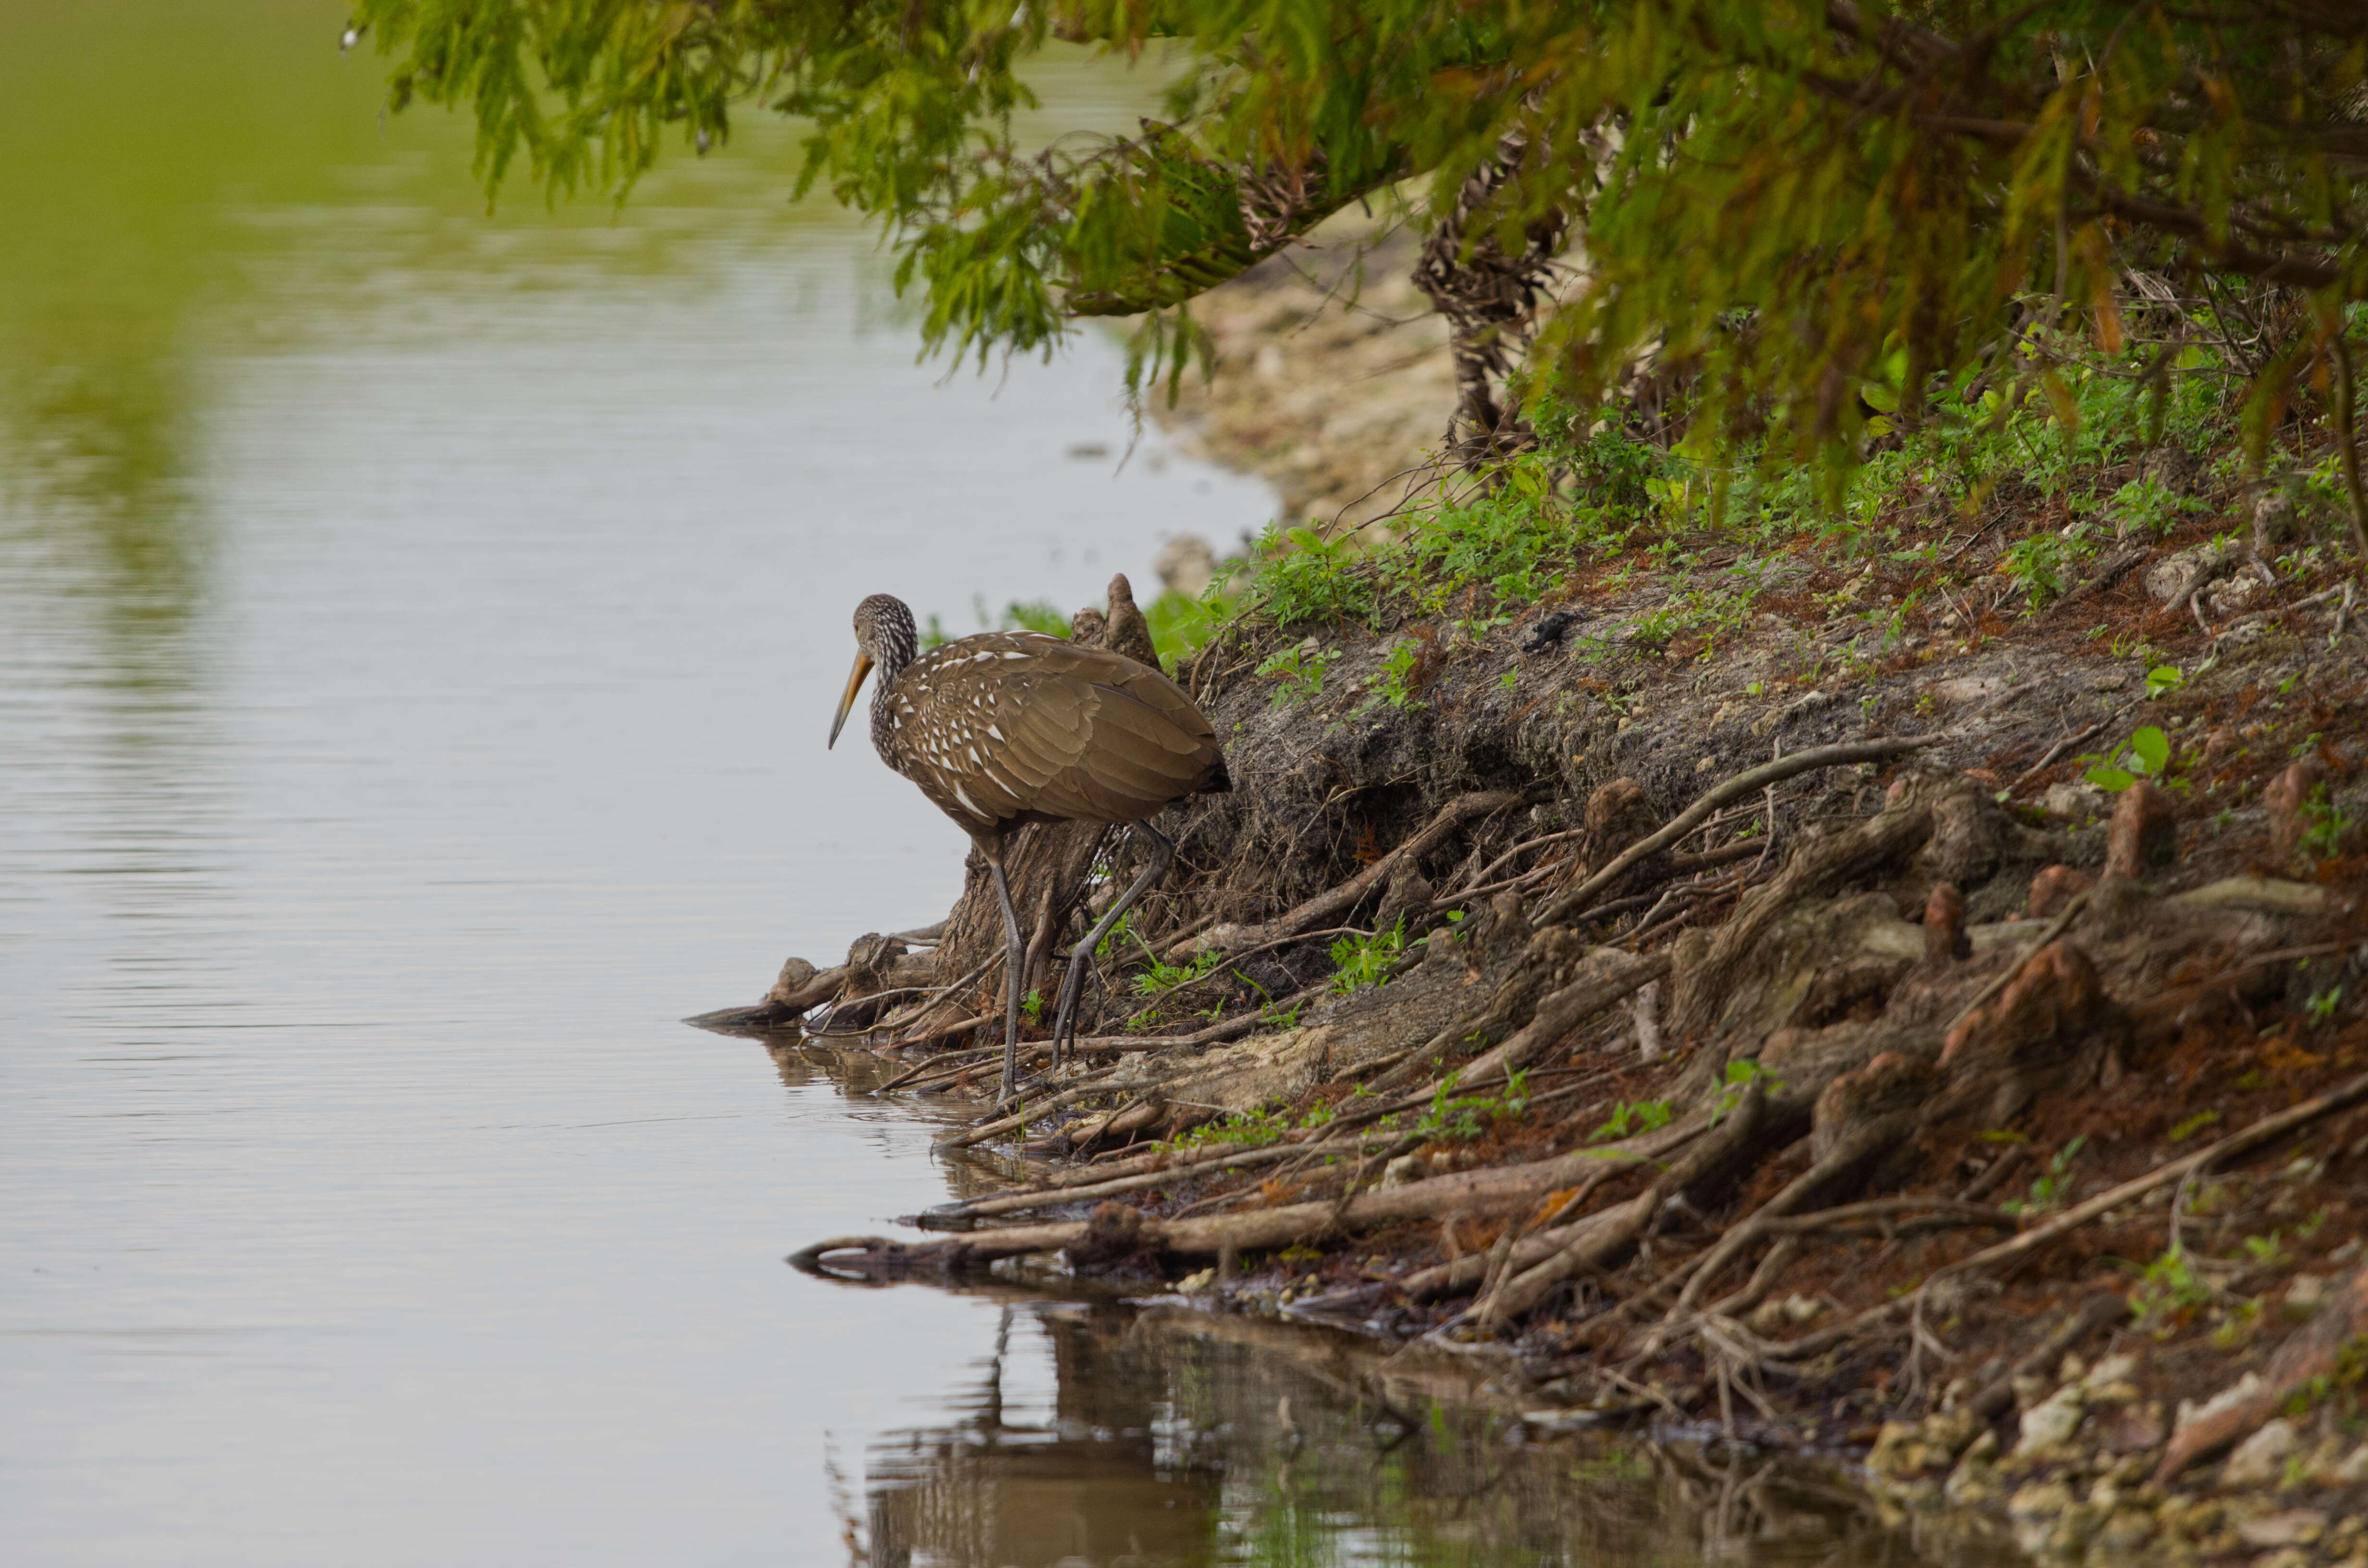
(1489, 299)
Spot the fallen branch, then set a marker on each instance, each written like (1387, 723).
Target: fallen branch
(957, 1217)
(1703, 1167)
(1495, 1190)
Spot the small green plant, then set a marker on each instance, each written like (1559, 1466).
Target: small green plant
(2322, 1007)
(1388, 686)
(2265, 1251)
(1359, 962)
(1462, 1118)
(1019, 615)
(1642, 1116)
(1303, 576)
(1249, 1128)
(1159, 978)
(1740, 1076)
(2234, 1331)
(2038, 566)
(2052, 1186)
(2146, 756)
(2194, 1125)
(1032, 1008)
(1181, 624)
(2163, 678)
(2326, 824)
(1300, 673)
(1119, 935)
(2149, 505)
(2168, 1287)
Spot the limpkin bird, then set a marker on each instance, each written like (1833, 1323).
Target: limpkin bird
(1008, 728)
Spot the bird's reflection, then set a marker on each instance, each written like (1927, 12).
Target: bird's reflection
(1089, 1478)
(1162, 1437)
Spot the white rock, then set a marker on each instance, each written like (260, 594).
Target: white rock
(2353, 1470)
(2238, 596)
(2112, 1369)
(2305, 1293)
(2053, 1420)
(1403, 1169)
(2165, 579)
(2260, 1460)
(2295, 1527)
(2078, 801)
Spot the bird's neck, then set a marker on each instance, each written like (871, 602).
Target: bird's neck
(898, 644)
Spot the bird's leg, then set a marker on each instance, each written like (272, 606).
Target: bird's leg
(1015, 975)
(1163, 854)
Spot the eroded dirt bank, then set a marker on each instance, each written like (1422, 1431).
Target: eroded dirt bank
(1713, 985)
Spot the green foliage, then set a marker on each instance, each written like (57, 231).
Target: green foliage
(1389, 688)
(1503, 543)
(1181, 625)
(2167, 1289)
(1303, 576)
(1298, 673)
(1643, 1117)
(1114, 941)
(2321, 1008)
(1028, 615)
(1359, 962)
(2039, 566)
(2324, 823)
(1470, 1116)
(2146, 756)
(2053, 1185)
(1834, 221)
(2194, 1125)
(1740, 1076)
(2164, 678)
(1159, 978)
(1246, 1128)
(2148, 506)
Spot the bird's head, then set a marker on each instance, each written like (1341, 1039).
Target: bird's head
(885, 636)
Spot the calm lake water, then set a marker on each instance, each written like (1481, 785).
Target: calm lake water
(417, 636)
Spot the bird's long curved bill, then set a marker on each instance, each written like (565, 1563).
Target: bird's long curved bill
(854, 683)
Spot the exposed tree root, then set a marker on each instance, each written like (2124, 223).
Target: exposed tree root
(1714, 1111)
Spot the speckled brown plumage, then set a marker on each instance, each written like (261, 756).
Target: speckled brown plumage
(1008, 728)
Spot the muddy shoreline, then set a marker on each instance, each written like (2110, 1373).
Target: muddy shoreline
(1782, 1032)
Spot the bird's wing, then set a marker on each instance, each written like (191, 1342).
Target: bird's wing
(1009, 726)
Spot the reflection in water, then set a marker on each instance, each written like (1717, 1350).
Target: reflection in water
(1108, 1434)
